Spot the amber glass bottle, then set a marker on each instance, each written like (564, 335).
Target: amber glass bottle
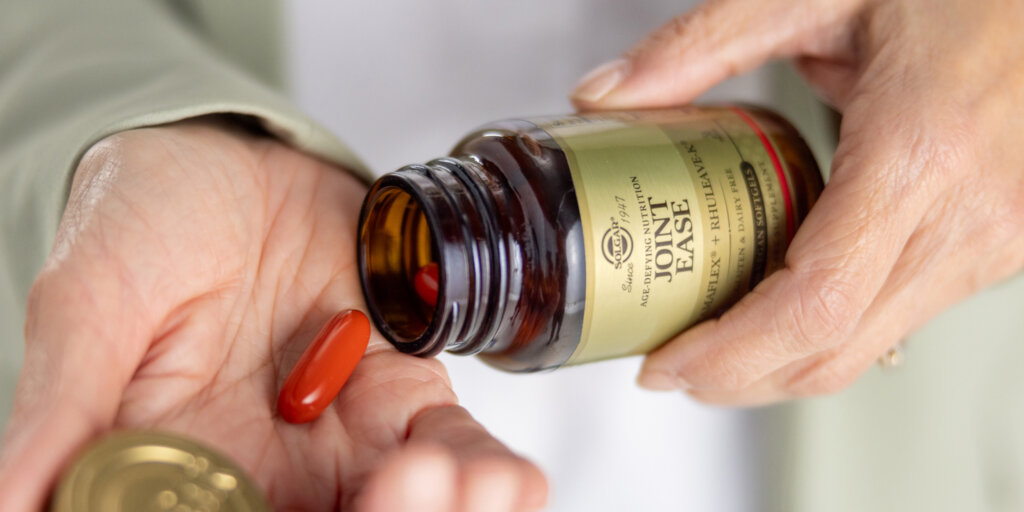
(569, 239)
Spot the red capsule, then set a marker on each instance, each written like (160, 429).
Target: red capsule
(426, 283)
(324, 367)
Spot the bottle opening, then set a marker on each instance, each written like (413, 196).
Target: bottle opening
(434, 270)
(398, 260)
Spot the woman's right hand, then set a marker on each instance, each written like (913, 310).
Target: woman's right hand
(193, 264)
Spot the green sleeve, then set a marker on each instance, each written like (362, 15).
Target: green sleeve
(74, 72)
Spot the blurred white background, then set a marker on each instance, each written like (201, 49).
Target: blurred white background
(401, 82)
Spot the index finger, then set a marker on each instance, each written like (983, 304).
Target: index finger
(717, 40)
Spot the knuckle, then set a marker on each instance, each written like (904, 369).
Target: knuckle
(690, 26)
(940, 148)
(678, 27)
(921, 146)
(825, 312)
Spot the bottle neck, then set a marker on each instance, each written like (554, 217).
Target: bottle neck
(441, 213)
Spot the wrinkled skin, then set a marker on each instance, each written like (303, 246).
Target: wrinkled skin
(193, 265)
(926, 200)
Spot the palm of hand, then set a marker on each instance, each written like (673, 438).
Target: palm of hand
(225, 254)
(277, 259)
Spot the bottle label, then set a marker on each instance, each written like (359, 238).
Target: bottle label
(683, 212)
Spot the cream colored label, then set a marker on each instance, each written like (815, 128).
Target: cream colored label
(683, 212)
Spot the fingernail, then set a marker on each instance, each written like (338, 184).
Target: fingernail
(657, 380)
(601, 81)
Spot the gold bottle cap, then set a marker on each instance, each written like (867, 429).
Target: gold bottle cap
(149, 471)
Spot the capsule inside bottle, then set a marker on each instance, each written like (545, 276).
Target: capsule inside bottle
(400, 254)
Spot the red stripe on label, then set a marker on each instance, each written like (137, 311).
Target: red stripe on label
(783, 183)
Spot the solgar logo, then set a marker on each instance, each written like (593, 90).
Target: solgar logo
(616, 244)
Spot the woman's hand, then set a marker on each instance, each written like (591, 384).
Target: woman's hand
(926, 200)
(193, 265)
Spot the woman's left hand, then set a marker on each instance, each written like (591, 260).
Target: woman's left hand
(926, 200)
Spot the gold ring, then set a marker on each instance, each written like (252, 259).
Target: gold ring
(892, 358)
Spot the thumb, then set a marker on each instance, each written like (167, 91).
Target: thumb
(715, 41)
(79, 357)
